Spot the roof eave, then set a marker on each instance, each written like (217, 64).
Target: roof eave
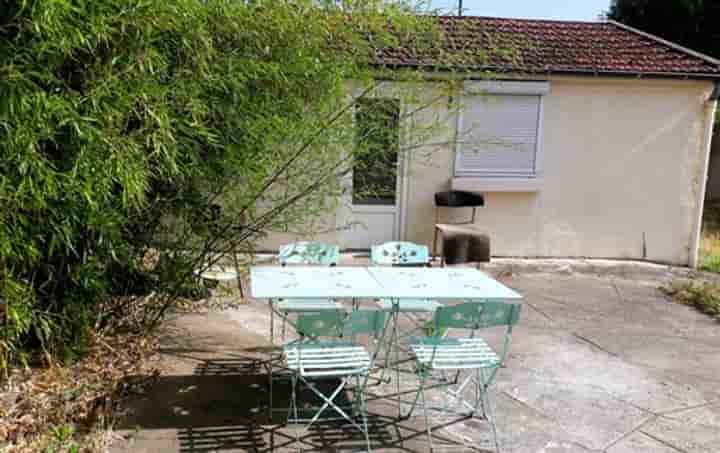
(678, 47)
(547, 72)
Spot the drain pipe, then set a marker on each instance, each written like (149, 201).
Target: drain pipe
(702, 178)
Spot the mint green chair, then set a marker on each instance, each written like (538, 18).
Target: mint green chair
(401, 254)
(471, 356)
(307, 253)
(327, 349)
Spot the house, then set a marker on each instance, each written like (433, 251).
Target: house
(593, 142)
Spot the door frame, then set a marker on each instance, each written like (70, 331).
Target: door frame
(348, 209)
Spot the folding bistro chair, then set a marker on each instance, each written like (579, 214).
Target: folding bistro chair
(317, 253)
(471, 355)
(340, 358)
(410, 255)
(309, 253)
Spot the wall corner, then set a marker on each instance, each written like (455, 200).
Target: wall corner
(702, 178)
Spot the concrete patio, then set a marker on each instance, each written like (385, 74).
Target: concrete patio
(598, 364)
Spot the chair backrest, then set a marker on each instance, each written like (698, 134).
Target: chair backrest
(339, 324)
(309, 253)
(321, 324)
(400, 254)
(364, 322)
(476, 315)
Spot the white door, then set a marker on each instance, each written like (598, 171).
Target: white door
(374, 214)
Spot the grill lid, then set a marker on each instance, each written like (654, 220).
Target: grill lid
(459, 199)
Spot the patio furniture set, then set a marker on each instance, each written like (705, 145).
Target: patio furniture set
(306, 292)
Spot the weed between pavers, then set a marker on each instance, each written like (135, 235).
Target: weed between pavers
(705, 296)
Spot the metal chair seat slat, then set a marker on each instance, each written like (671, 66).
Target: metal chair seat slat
(308, 305)
(326, 359)
(452, 347)
(461, 353)
(441, 352)
(359, 363)
(329, 366)
(323, 350)
(410, 305)
(453, 355)
(335, 373)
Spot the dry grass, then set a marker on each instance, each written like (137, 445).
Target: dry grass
(71, 408)
(705, 296)
(710, 242)
(710, 251)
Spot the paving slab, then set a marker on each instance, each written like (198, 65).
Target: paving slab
(597, 364)
(638, 442)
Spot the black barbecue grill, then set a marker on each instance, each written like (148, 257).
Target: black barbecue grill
(459, 199)
(461, 242)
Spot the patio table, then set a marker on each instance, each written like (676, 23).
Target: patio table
(359, 282)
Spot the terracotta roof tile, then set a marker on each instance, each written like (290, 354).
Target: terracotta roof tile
(542, 46)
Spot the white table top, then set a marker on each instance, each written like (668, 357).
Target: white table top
(440, 283)
(304, 282)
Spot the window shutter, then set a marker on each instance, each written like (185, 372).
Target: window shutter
(498, 135)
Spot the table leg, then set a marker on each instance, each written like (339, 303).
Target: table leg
(270, 359)
(272, 323)
(397, 355)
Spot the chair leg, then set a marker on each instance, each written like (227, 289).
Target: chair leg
(417, 395)
(478, 394)
(397, 365)
(272, 323)
(428, 418)
(293, 405)
(389, 347)
(270, 386)
(363, 414)
(489, 415)
(292, 410)
(381, 344)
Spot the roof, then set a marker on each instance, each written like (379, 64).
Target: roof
(549, 46)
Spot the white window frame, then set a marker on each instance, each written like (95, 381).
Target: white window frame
(478, 88)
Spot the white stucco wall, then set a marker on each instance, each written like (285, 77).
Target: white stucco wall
(621, 165)
(621, 169)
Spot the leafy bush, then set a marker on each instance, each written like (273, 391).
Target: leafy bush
(123, 123)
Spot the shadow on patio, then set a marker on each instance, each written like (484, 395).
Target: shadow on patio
(223, 406)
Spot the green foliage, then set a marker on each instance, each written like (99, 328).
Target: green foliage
(710, 239)
(691, 23)
(705, 296)
(186, 129)
(62, 440)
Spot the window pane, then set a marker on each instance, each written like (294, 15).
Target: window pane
(499, 134)
(376, 153)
